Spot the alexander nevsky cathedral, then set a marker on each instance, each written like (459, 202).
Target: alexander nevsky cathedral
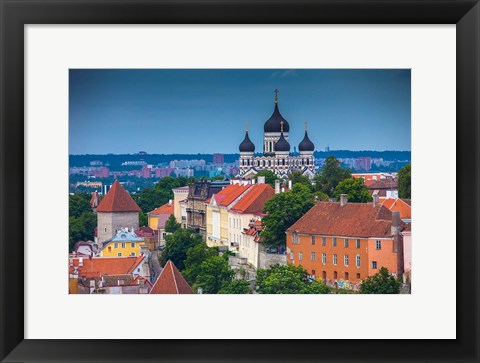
(276, 150)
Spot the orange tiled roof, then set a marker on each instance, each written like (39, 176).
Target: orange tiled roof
(164, 209)
(228, 194)
(99, 266)
(254, 200)
(383, 184)
(117, 200)
(399, 205)
(171, 281)
(351, 220)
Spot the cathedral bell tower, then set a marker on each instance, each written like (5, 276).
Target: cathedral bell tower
(273, 129)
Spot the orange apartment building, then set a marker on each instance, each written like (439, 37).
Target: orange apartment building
(343, 243)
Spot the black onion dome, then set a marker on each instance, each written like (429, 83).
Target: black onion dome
(247, 145)
(273, 123)
(282, 144)
(306, 144)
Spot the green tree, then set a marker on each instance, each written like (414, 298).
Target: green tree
(356, 190)
(82, 220)
(171, 225)
(78, 203)
(81, 228)
(297, 177)
(330, 175)
(213, 274)
(236, 287)
(405, 182)
(168, 183)
(143, 218)
(288, 279)
(196, 255)
(320, 196)
(176, 246)
(283, 210)
(151, 198)
(380, 283)
(269, 175)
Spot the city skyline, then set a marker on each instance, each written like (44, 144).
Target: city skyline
(205, 111)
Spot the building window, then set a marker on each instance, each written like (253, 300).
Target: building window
(313, 240)
(300, 256)
(324, 258)
(312, 256)
(116, 245)
(313, 272)
(345, 243)
(335, 275)
(119, 254)
(132, 254)
(105, 229)
(109, 249)
(334, 242)
(324, 241)
(345, 260)
(124, 245)
(374, 265)
(346, 275)
(334, 258)
(291, 255)
(358, 243)
(133, 245)
(357, 260)
(358, 276)
(378, 245)
(295, 239)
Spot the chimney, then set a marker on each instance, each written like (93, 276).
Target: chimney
(290, 184)
(397, 242)
(375, 199)
(277, 186)
(253, 180)
(343, 199)
(261, 180)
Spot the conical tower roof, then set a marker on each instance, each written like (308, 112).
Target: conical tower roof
(117, 200)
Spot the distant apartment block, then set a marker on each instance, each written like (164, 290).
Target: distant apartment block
(218, 158)
(183, 164)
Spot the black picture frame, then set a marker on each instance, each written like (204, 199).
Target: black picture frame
(15, 14)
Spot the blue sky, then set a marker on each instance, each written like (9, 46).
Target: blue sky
(204, 111)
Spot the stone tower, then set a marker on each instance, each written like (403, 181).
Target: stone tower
(116, 210)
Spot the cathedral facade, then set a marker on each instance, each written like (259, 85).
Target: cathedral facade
(276, 150)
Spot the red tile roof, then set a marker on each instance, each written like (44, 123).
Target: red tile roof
(117, 200)
(351, 220)
(164, 209)
(171, 281)
(399, 205)
(99, 266)
(227, 195)
(383, 184)
(254, 200)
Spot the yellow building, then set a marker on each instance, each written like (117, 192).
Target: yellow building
(217, 224)
(179, 195)
(158, 217)
(124, 243)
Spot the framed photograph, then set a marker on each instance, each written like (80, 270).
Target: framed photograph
(239, 181)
